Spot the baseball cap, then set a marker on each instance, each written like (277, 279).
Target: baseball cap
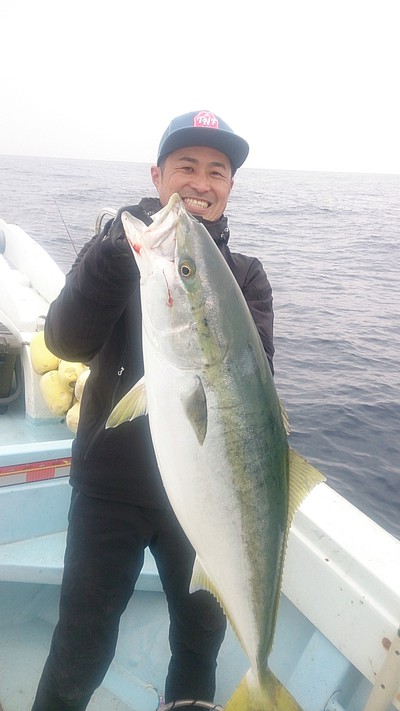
(203, 128)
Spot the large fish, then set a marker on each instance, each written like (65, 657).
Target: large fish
(218, 431)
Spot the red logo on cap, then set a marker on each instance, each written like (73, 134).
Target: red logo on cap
(205, 119)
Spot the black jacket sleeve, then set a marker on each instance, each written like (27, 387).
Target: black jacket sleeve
(254, 283)
(95, 294)
(258, 294)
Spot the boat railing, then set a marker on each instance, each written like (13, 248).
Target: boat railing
(103, 214)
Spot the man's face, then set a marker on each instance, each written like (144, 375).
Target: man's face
(201, 176)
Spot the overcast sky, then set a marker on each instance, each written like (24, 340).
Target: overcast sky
(310, 84)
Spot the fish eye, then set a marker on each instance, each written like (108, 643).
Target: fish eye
(187, 268)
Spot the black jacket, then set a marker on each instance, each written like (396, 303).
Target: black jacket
(96, 319)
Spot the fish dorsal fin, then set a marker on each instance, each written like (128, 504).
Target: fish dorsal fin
(302, 479)
(195, 406)
(132, 405)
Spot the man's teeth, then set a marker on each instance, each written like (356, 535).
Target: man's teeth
(196, 203)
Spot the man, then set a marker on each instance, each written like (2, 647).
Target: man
(118, 505)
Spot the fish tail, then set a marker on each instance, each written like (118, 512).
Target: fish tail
(267, 695)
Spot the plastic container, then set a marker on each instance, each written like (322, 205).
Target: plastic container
(9, 385)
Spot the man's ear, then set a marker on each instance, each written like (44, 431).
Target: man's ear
(155, 175)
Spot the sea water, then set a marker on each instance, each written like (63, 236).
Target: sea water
(330, 244)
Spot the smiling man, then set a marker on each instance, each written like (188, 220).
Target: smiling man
(118, 504)
(202, 176)
(197, 158)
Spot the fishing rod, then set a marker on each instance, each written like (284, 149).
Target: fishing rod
(65, 225)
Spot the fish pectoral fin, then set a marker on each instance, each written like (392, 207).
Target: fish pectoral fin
(268, 695)
(132, 405)
(302, 479)
(195, 407)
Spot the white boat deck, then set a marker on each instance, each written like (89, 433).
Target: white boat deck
(339, 612)
(16, 428)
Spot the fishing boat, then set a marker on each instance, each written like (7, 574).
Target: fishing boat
(337, 640)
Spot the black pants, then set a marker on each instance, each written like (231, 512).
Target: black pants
(103, 559)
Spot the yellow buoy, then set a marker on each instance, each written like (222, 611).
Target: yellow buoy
(42, 359)
(70, 372)
(80, 384)
(72, 417)
(57, 397)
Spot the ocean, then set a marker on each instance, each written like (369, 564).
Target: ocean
(330, 243)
